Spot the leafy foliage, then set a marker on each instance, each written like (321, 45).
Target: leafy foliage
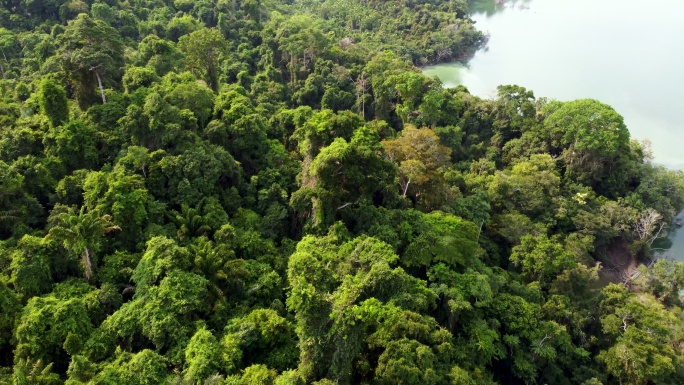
(251, 192)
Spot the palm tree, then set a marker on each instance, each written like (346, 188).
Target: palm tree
(218, 264)
(81, 233)
(190, 223)
(28, 372)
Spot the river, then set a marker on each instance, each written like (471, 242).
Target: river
(626, 53)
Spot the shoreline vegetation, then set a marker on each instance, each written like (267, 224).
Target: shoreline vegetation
(270, 192)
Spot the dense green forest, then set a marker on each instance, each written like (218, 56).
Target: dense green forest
(270, 192)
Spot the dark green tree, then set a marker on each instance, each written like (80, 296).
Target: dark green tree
(53, 102)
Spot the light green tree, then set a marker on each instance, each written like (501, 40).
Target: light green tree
(593, 141)
(202, 356)
(342, 290)
(203, 50)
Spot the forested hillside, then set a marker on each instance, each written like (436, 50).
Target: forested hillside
(270, 192)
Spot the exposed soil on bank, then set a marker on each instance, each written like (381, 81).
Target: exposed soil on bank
(618, 263)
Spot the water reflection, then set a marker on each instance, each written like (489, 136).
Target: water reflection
(672, 246)
(491, 7)
(663, 245)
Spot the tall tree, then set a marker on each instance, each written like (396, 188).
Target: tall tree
(419, 155)
(203, 50)
(301, 40)
(89, 49)
(593, 141)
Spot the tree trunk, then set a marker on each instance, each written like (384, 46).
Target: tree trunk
(87, 264)
(99, 83)
(1, 66)
(406, 187)
(479, 231)
(363, 104)
(293, 73)
(663, 297)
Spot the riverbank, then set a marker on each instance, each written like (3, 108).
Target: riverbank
(629, 70)
(618, 263)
